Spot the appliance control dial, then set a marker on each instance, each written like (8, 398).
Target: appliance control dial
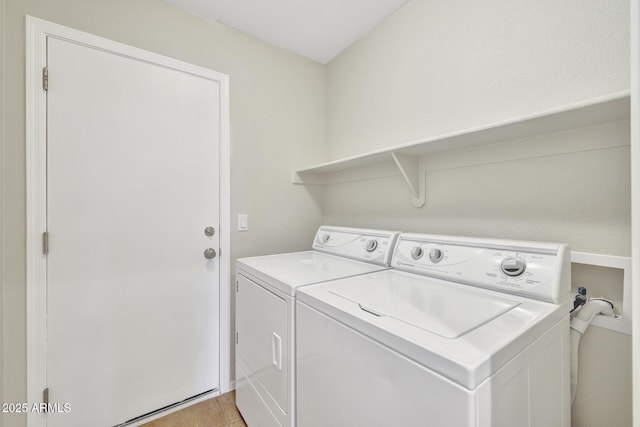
(436, 255)
(416, 253)
(371, 245)
(325, 238)
(513, 266)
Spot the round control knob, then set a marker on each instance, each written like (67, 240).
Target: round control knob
(513, 266)
(325, 238)
(371, 245)
(416, 252)
(436, 255)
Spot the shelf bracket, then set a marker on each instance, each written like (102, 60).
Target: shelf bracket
(409, 167)
(307, 178)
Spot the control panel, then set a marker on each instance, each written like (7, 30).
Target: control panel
(374, 246)
(532, 269)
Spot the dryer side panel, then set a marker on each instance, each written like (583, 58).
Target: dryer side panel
(262, 356)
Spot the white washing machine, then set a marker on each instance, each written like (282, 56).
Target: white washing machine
(461, 332)
(265, 313)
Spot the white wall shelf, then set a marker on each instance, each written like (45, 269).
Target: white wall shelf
(406, 157)
(622, 322)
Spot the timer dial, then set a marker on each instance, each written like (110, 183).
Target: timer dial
(513, 266)
(416, 253)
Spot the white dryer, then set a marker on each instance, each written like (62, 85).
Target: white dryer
(462, 332)
(265, 313)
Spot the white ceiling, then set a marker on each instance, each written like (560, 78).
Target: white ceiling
(317, 29)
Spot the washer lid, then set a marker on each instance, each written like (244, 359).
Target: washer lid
(444, 310)
(470, 338)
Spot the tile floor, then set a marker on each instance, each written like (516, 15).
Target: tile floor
(219, 411)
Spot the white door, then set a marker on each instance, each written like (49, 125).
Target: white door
(133, 181)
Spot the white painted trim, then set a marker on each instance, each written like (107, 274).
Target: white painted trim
(621, 262)
(36, 180)
(37, 31)
(635, 204)
(225, 238)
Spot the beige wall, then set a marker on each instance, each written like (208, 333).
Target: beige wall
(442, 66)
(277, 121)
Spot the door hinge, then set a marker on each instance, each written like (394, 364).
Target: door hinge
(236, 338)
(45, 243)
(237, 286)
(45, 78)
(45, 396)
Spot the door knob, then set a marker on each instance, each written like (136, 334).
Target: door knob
(209, 253)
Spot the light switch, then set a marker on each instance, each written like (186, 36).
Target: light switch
(243, 222)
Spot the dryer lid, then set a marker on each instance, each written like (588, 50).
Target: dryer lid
(286, 272)
(429, 304)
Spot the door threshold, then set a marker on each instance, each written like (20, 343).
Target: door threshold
(166, 410)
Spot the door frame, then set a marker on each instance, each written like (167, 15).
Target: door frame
(635, 208)
(37, 31)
